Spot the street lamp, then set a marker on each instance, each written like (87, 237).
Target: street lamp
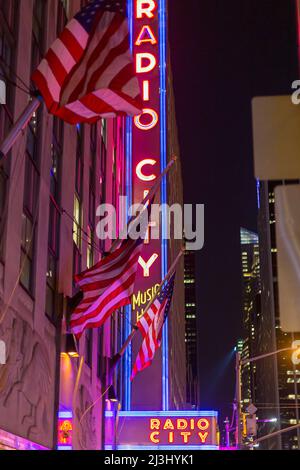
(238, 369)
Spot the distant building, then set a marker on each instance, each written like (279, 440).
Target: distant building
(191, 328)
(277, 379)
(251, 310)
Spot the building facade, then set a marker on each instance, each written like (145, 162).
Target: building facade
(277, 378)
(251, 290)
(191, 329)
(50, 186)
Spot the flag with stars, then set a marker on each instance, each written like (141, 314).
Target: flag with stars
(151, 326)
(88, 71)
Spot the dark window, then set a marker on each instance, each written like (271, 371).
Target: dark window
(100, 353)
(79, 160)
(76, 260)
(27, 244)
(7, 47)
(102, 156)
(51, 285)
(89, 347)
(90, 248)
(54, 218)
(77, 215)
(31, 187)
(63, 10)
(38, 33)
(9, 9)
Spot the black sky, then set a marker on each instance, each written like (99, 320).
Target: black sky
(223, 53)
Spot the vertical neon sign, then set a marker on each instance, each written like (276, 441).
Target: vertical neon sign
(163, 145)
(127, 328)
(146, 158)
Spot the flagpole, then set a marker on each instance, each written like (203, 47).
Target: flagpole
(120, 354)
(147, 198)
(19, 126)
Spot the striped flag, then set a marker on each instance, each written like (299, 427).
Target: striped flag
(151, 326)
(106, 287)
(88, 71)
(109, 284)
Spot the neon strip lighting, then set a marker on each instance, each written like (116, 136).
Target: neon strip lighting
(169, 414)
(127, 326)
(163, 146)
(140, 447)
(258, 193)
(64, 448)
(65, 414)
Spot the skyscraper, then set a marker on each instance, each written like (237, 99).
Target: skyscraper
(251, 309)
(277, 378)
(191, 330)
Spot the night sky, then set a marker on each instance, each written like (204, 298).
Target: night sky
(223, 53)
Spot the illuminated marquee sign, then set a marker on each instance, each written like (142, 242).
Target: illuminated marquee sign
(146, 145)
(146, 159)
(164, 430)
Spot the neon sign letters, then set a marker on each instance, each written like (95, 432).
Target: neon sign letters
(167, 429)
(147, 67)
(184, 428)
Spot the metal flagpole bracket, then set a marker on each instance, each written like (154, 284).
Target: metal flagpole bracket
(20, 125)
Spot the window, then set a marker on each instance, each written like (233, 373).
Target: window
(77, 236)
(90, 251)
(31, 188)
(93, 147)
(104, 131)
(27, 243)
(37, 33)
(63, 7)
(8, 39)
(79, 160)
(9, 8)
(100, 353)
(51, 286)
(102, 156)
(7, 47)
(89, 347)
(54, 218)
(77, 224)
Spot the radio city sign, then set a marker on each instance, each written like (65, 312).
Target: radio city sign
(147, 150)
(167, 429)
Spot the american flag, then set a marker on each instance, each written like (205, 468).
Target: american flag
(109, 284)
(151, 326)
(106, 287)
(88, 71)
